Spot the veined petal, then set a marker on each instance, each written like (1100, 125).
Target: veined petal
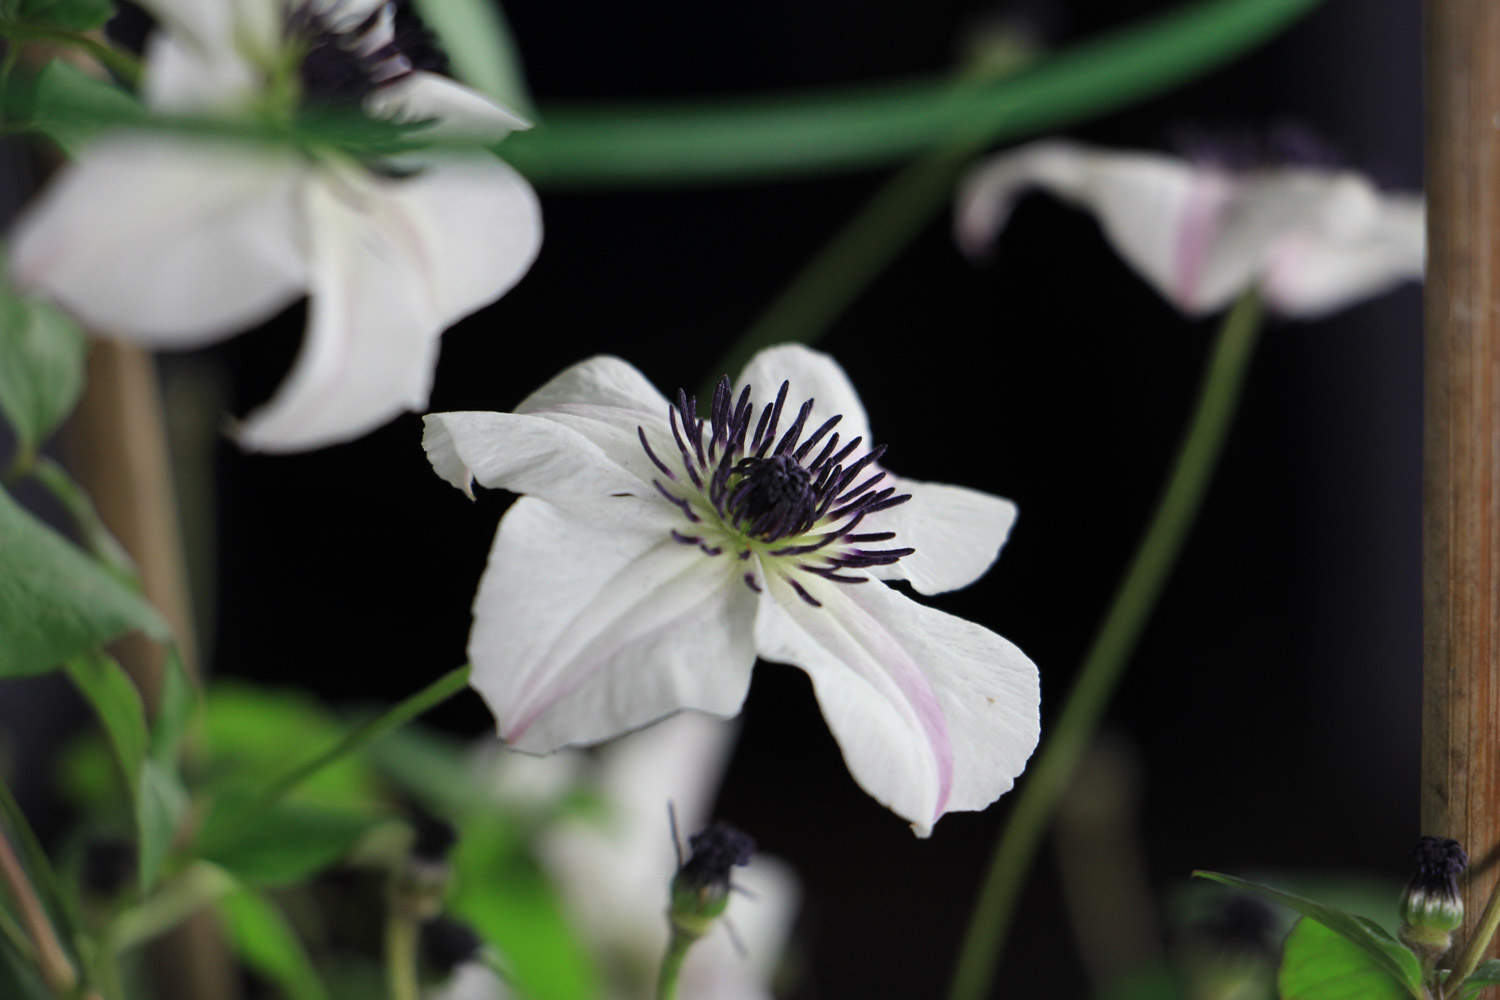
(957, 533)
(204, 245)
(371, 343)
(813, 375)
(218, 28)
(453, 108)
(574, 440)
(1360, 248)
(932, 713)
(587, 627)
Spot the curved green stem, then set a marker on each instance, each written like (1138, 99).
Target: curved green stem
(669, 143)
(1048, 776)
(360, 736)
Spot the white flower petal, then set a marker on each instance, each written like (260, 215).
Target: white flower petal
(957, 532)
(181, 77)
(393, 262)
(219, 28)
(1353, 255)
(453, 108)
(932, 713)
(203, 245)
(371, 343)
(477, 225)
(576, 439)
(588, 627)
(812, 375)
(1154, 210)
(1312, 239)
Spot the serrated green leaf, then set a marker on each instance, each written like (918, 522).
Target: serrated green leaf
(55, 602)
(1319, 964)
(160, 804)
(1365, 934)
(1485, 975)
(286, 843)
(70, 107)
(41, 366)
(176, 708)
(117, 703)
(75, 15)
(480, 48)
(265, 941)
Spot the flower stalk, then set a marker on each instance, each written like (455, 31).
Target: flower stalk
(1106, 660)
(53, 962)
(671, 964)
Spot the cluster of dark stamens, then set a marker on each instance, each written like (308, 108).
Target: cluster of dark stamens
(344, 61)
(771, 488)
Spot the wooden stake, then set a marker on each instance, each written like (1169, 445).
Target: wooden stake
(1461, 466)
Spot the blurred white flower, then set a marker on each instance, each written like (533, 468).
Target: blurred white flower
(1311, 240)
(176, 242)
(657, 554)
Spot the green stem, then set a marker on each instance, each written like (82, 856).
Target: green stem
(1048, 776)
(1478, 942)
(805, 133)
(429, 697)
(124, 65)
(51, 960)
(401, 955)
(42, 874)
(671, 964)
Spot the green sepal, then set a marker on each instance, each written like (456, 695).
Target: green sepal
(1388, 953)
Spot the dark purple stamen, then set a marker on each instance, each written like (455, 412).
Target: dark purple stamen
(762, 482)
(345, 60)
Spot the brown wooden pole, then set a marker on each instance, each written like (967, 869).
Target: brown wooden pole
(1461, 465)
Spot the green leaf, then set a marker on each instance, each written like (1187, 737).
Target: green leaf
(176, 708)
(511, 904)
(95, 536)
(1485, 975)
(18, 976)
(76, 15)
(117, 703)
(55, 602)
(287, 841)
(41, 366)
(1319, 964)
(480, 48)
(1368, 936)
(160, 804)
(70, 107)
(265, 941)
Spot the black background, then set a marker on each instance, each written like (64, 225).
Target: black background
(1274, 699)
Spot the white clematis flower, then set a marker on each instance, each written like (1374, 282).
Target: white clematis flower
(176, 242)
(1311, 240)
(656, 555)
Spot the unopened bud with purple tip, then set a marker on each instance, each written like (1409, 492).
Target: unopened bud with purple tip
(700, 889)
(1432, 908)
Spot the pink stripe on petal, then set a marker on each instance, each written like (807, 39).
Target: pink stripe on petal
(1196, 230)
